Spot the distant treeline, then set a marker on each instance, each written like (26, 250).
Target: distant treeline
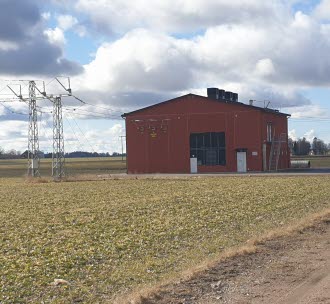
(78, 154)
(302, 146)
(14, 154)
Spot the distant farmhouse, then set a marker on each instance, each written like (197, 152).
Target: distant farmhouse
(25, 154)
(193, 133)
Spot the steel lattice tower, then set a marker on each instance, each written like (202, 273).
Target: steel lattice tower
(33, 139)
(58, 159)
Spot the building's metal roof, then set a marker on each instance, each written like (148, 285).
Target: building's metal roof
(267, 110)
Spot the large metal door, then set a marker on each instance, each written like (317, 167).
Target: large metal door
(241, 161)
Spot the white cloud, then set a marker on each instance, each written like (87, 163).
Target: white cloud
(265, 67)
(55, 36)
(8, 46)
(141, 61)
(13, 128)
(309, 135)
(80, 30)
(177, 15)
(66, 22)
(301, 21)
(96, 140)
(14, 134)
(322, 11)
(46, 15)
(310, 111)
(293, 134)
(259, 49)
(148, 61)
(255, 40)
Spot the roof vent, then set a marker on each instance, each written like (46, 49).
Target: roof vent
(217, 94)
(229, 96)
(222, 95)
(213, 93)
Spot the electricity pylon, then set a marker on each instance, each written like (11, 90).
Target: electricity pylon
(58, 157)
(33, 138)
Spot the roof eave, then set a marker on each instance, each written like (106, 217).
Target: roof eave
(240, 103)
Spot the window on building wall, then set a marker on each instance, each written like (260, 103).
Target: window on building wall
(269, 132)
(209, 148)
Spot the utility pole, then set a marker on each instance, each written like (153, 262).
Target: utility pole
(58, 157)
(33, 139)
(122, 147)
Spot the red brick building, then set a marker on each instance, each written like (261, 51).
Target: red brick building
(217, 133)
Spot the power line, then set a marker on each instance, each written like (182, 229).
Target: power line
(82, 133)
(12, 111)
(73, 131)
(96, 106)
(305, 119)
(87, 113)
(119, 112)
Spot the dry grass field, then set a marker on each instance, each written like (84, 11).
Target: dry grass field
(316, 161)
(106, 238)
(101, 165)
(74, 166)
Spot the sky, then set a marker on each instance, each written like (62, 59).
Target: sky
(124, 55)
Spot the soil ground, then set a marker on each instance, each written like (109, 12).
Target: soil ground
(290, 269)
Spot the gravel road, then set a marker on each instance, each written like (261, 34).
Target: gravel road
(291, 269)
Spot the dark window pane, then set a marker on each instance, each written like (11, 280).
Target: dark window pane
(222, 157)
(214, 141)
(221, 138)
(211, 157)
(200, 140)
(207, 140)
(209, 148)
(200, 157)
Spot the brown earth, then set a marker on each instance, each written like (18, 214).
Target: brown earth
(289, 269)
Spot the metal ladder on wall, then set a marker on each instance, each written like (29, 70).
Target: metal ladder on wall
(275, 151)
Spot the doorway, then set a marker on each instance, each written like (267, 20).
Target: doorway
(241, 161)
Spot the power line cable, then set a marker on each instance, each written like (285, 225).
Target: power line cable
(81, 145)
(96, 106)
(82, 133)
(102, 113)
(12, 111)
(92, 113)
(310, 120)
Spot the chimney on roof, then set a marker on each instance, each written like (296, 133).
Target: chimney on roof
(251, 102)
(213, 93)
(229, 96)
(219, 94)
(222, 95)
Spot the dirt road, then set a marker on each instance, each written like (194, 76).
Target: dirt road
(291, 269)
